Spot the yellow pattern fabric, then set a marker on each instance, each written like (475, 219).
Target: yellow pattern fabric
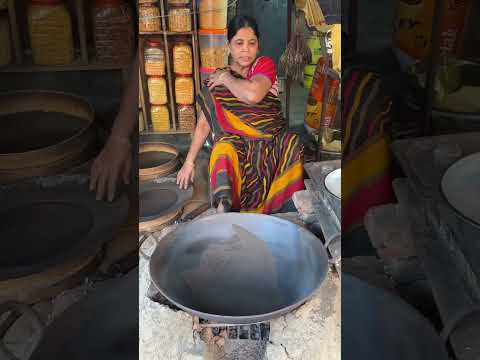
(355, 172)
(355, 107)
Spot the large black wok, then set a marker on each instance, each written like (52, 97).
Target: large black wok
(238, 268)
(103, 325)
(382, 326)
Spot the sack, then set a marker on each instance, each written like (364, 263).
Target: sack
(413, 28)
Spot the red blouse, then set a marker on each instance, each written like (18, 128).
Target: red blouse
(266, 67)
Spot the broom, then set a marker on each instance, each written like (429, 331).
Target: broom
(296, 55)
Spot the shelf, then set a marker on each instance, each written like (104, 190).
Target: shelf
(166, 37)
(23, 62)
(170, 77)
(78, 65)
(170, 33)
(180, 132)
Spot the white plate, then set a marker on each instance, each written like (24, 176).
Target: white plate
(461, 186)
(333, 183)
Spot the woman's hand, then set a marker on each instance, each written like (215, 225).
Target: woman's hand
(218, 78)
(113, 162)
(186, 175)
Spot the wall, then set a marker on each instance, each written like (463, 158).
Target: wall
(272, 18)
(375, 24)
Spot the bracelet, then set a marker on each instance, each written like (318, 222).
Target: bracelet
(188, 162)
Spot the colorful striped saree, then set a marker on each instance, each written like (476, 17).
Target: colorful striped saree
(366, 162)
(255, 165)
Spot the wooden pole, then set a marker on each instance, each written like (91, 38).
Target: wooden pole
(17, 44)
(82, 31)
(196, 61)
(287, 79)
(352, 24)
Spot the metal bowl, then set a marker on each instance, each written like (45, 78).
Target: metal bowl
(238, 268)
(333, 183)
(461, 187)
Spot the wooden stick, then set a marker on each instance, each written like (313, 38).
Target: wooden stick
(144, 88)
(196, 65)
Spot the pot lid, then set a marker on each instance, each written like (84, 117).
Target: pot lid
(461, 187)
(238, 268)
(51, 220)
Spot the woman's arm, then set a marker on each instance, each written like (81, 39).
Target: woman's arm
(199, 136)
(114, 161)
(249, 91)
(128, 114)
(187, 172)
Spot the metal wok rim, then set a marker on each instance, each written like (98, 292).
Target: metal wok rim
(445, 197)
(59, 335)
(245, 319)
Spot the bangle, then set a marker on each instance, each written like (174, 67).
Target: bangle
(188, 162)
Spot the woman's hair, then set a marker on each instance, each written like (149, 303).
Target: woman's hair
(239, 22)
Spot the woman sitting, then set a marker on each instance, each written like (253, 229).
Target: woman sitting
(256, 164)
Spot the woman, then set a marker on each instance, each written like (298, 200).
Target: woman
(255, 165)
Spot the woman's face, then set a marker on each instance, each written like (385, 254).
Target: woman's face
(244, 47)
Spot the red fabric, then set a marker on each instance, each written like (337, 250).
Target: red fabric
(222, 119)
(276, 203)
(263, 66)
(266, 67)
(348, 91)
(378, 193)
